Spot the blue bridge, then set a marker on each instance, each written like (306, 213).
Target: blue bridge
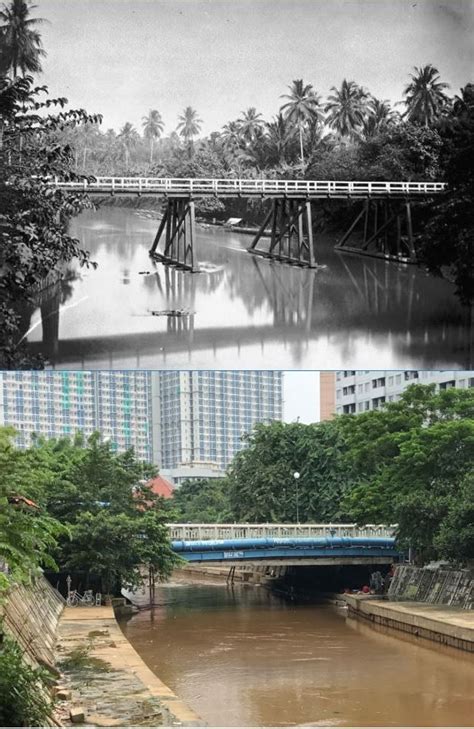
(330, 550)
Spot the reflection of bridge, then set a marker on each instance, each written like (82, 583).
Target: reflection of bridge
(286, 234)
(304, 308)
(322, 544)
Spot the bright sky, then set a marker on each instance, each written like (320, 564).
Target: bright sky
(123, 57)
(301, 396)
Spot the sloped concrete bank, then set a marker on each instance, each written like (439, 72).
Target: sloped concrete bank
(450, 626)
(30, 616)
(106, 680)
(99, 676)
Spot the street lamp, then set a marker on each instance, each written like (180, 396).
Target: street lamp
(296, 476)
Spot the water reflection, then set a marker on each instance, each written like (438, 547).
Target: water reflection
(245, 658)
(246, 312)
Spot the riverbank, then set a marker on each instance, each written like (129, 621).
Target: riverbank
(450, 626)
(105, 682)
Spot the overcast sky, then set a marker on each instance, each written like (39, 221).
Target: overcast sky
(301, 396)
(123, 57)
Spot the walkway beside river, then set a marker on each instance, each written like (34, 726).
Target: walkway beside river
(450, 626)
(107, 679)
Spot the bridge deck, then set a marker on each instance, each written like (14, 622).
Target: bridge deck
(309, 189)
(196, 532)
(334, 550)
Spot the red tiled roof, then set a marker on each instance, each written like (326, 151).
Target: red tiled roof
(17, 500)
(161, 487)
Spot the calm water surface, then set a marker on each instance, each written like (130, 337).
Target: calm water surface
(243, 311)
(246, 658)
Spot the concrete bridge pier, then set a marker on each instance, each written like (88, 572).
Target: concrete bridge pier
(288, 231)
(178, 231)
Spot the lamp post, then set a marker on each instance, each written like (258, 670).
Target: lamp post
(296, 476)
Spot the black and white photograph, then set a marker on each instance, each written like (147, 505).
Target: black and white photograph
(236, 363)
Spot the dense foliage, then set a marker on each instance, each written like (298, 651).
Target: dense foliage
(410, 462)
(261, 484)
(449, 233)
(92, 513)
(200, 500)
(24, 700)
(35, 243)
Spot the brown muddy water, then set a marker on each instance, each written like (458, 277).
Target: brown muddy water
(244, 657)
(241, 311)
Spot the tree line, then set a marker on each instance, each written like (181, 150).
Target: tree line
(76, 504)
(290, 143)
(409, 463)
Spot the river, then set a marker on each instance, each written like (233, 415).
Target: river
(242, 311)
(244, 657)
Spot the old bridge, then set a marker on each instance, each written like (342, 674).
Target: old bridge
(287, 232)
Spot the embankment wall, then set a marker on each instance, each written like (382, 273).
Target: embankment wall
(433, 586)
(31, 615)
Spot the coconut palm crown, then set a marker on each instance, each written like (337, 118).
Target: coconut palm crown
(425, 99)
(347, 109)
(152, 127)
(189, 124)
(20, 42)
(251, 124)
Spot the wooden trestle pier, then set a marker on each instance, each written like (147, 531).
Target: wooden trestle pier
(286, 234)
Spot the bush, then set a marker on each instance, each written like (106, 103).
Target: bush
(24, 698)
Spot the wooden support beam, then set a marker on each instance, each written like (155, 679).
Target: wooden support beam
(411, 244)
(366, 219)
(291, 234)
(346, 236)
(178, 227)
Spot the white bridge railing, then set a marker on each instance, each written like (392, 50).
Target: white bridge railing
(192, 532)
(169, 185)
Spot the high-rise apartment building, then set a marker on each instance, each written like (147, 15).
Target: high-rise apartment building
(205, 413)
(57, 404)
(190, 423)
(362, 390)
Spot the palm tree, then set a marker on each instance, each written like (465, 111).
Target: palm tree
(424, 96)
(128, 138)
(347, 108)
(232, 135)
(278, 136)
(251, 124)
(303, 105)
(189, 125)
(20, 42)
(380, 117)
(152, 127)
(88, 136)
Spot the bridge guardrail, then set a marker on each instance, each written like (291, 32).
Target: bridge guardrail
(200, 532)
(208, 186)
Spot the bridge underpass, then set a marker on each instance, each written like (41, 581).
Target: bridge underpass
(333, 556)
(287, 232)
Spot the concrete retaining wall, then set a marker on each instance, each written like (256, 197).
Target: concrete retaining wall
(31, 615)
(450, 626)
(433, 586)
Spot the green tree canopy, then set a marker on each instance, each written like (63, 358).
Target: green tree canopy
(261, 482)
(203, 500)
(412, 462)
